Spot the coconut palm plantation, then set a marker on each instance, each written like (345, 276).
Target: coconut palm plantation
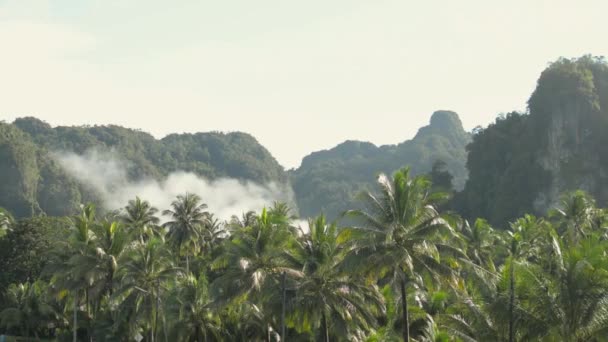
(303, 171)
(402, 271)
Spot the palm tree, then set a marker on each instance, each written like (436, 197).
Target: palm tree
(243, 321)
(526, 242)
(212, 234)
(400, 234)
(482, 242)
(572, 295)
(141, 217)
(577, 218)
(144, 274)
(494, 306)
(247, 220)
(27, 309)
(193, 313)
(188, 216)
(67, 275)
(252, 264)
(325, 294)
(110, 242)
(499, 305)
(6, 222)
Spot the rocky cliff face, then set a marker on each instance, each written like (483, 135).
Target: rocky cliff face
(567, 102)
(527, 160)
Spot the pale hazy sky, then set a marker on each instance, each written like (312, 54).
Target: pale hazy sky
(299, 75)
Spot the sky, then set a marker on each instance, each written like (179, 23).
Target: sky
(300, 75)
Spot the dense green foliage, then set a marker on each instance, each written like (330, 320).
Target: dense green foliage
(404, 265)
(34, 183)
(404, 271)
(523, 161)
(328, 181)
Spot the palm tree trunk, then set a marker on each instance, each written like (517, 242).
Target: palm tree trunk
(511, 302)
(152, 321)
(283, 339)
(86, 301)
(406, 320)
(165, 329)
(75, 328)
(187, 265)
(88, 309)
(325, 328)
(110, 283)
(197, 336)
(157, 307)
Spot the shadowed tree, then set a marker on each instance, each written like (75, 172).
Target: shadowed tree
(252, 264)
(27, 310)
(141, 218)
(188, 217)
(327, 298)
(145, 274)
(576, 216)
(246, 220)
(193, 313)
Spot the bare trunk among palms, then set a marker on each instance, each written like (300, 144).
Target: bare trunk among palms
(199, 336)
(187, 264)
(157, 307)
(325, 328)
(152, 320)
(75, 328)
(511, 302)
(283, 337)
(406, 320)
(88, 308)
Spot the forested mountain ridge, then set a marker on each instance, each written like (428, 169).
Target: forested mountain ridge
(327, 181)
(36, 183)
(525, 160)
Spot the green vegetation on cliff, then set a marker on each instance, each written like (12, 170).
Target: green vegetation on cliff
(328, 181)
(33, 181)
(525, 160)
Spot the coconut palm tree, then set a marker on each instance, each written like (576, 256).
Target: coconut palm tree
(401, 235)
(192, 312)
(141, 217)
(188, 217)
(252, 265)
(101, 262)
(144, 274)
(575, 215)
(243, 321)
(246, 220)
(572, 295)
(6, 222)
(494, 308)
(212, 234)
(326, 297)
(66, 272)
(482, 243)
(27, 309)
